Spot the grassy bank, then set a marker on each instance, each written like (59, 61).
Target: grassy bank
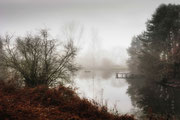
(43, 103)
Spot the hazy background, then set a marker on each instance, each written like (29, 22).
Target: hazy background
(114, 22)
(107, 25)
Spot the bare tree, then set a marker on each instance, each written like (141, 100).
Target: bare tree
(73, 31)
(2, 68)
(39, 60)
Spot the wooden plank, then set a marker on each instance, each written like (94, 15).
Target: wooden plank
(124, 75)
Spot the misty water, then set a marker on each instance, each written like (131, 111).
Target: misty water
(105, 89)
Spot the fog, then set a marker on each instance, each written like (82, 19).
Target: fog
(102, 31)
(116, 22)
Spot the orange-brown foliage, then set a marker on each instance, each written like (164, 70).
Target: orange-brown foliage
(43, 103)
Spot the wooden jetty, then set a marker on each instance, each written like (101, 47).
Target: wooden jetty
(124, 75)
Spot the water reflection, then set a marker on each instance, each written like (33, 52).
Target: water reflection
(154, 98)
(128, 96)
(105, 89)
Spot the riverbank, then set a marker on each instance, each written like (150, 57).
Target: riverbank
(43, 103)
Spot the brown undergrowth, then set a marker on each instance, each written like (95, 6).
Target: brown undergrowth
(43, 103)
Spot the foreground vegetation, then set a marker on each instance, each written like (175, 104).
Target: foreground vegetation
(43, 103)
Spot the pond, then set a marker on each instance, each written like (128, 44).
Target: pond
(105, 89)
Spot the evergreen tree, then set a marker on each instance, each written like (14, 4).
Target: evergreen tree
(158, 60)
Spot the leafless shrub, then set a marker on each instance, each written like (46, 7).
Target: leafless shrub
(39, 60)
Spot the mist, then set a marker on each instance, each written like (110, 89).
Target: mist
(139, 38)
(103, 64)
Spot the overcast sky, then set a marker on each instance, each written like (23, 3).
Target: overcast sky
(116, 21)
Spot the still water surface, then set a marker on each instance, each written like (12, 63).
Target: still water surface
(105, 89)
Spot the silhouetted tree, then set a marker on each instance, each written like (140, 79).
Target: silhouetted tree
(158, 61)
(2, 68)
(39, 60)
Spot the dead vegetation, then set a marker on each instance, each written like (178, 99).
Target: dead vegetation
(43, 103)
